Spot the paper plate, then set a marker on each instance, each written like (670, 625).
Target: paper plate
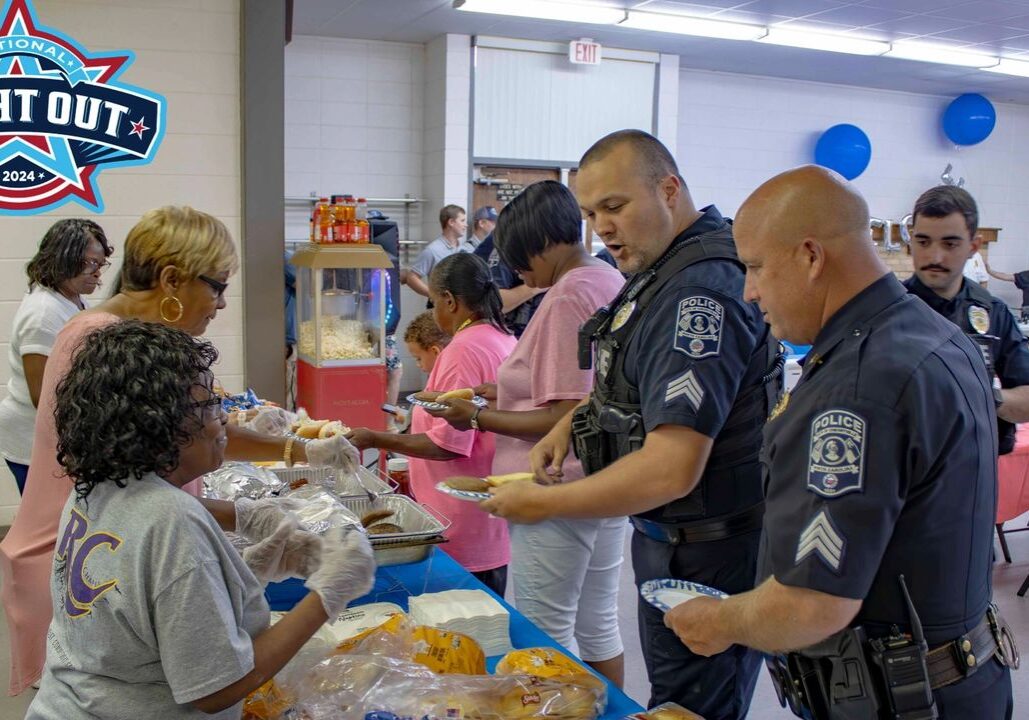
(479, 401)
(666, 593)
(461, 494)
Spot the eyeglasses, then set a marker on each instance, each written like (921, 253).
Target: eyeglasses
(213, 401)
(89, 267)
(217, 285)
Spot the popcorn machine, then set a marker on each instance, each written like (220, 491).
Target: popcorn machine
(341, 332)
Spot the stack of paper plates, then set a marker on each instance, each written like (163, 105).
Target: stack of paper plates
(474, 613)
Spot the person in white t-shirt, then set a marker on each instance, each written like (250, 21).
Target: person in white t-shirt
(975, 269)
(67, 266)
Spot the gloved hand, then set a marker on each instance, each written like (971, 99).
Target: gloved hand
(335, 452)
(346, 571)
(258, 519)
(287, 552)
(271, 420)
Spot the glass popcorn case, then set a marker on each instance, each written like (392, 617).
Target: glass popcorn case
(341, 333)
(341, 305)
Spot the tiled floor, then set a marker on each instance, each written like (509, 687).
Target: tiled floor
(1007, 579)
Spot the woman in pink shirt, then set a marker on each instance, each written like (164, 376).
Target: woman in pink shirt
(466, 305)
(565, 572)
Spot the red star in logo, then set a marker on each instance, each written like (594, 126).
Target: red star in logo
(138, 128)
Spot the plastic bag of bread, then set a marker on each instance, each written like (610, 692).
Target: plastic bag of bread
(352, 686)
(665, 711)
(548, 664)
(441, 651)
(268, 702)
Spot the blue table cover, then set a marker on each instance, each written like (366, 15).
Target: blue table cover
(440, 572)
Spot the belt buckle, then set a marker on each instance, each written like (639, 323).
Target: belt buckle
(1006, 646)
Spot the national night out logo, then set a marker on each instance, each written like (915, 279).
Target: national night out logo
(64, 117)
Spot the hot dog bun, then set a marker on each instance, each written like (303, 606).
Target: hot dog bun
(311, 429)
(498, 480)
(459, 394)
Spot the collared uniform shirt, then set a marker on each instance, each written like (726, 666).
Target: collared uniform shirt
(882, 462)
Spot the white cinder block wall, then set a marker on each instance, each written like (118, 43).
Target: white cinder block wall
(188, 52)
(736, 131)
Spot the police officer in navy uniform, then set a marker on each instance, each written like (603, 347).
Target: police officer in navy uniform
(880, 467)
(685, 374)
(944, 236)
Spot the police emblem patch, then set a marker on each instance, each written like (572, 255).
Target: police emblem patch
(979, 319)
(836, 462)
(698, 331)
(622, 316)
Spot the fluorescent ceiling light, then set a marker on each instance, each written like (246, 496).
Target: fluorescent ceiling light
(545, 10)
(1011, 67)
(824, 41)
(683, 25)
(940, 54)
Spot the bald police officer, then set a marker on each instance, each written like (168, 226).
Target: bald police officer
(943, 236)
(881, 481)
(671, 432)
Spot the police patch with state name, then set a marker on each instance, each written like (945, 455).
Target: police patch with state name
(698, 330)
(836, 461)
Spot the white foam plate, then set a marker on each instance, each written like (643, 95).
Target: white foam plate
(666, 593)
(478, 400)
(462, 494)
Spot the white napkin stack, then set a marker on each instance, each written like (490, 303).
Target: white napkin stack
(474, 613)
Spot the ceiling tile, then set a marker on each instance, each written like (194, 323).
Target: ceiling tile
(859, 16)
(920, 25)
(983, 33)
(980, 11)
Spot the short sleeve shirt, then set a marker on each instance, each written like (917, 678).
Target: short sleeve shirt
(153, 608)
(882, 462)
(696, 345)
(40, 317)
(478, 540)
(435, 251)
(1022, 283)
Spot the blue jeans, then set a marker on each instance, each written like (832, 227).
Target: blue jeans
(20, 472)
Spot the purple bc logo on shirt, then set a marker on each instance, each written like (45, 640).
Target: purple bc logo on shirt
(63, 116)
(74, 549)
(836, 464)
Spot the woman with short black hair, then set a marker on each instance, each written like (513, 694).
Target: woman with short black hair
(68, 264)
(155, 614)
(466, 305)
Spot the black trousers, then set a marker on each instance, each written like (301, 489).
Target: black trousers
(495, 579)
(984, 696)
(716, 688)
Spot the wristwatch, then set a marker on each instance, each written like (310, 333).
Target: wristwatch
(474, 422)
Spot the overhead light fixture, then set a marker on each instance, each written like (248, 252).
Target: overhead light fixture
(545, 10)
(940, 54)
(1007, 66)
(684, 25)
(810, 40)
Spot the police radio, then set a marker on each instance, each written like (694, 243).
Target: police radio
(587, 333)
(901, 662)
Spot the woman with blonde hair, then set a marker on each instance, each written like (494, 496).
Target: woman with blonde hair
(175, 271)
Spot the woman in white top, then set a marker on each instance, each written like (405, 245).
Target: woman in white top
(67, 266)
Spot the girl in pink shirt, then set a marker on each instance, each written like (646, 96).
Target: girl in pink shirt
(466, 304)
(565, 571)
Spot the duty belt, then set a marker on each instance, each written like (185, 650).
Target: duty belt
(721, 528)
(957, 659)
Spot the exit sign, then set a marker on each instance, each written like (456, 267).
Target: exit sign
(584, 52)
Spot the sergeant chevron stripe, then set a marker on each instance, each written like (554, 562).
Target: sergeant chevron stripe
(822, 539)
(686, 385)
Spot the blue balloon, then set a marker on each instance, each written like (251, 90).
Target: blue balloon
(969, 119)
(844, 148)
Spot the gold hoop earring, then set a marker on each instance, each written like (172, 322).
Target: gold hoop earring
(164, 315)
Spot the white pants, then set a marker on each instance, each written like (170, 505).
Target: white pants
(565, 575)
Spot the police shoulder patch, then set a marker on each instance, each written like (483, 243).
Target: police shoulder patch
(836, 460)
(698, 327)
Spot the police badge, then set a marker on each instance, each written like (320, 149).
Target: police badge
(623, 315)
(836, 464)
(979, 319)
(698, 331)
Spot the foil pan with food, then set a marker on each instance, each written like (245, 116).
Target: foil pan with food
(319, 510)
(235, 480)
